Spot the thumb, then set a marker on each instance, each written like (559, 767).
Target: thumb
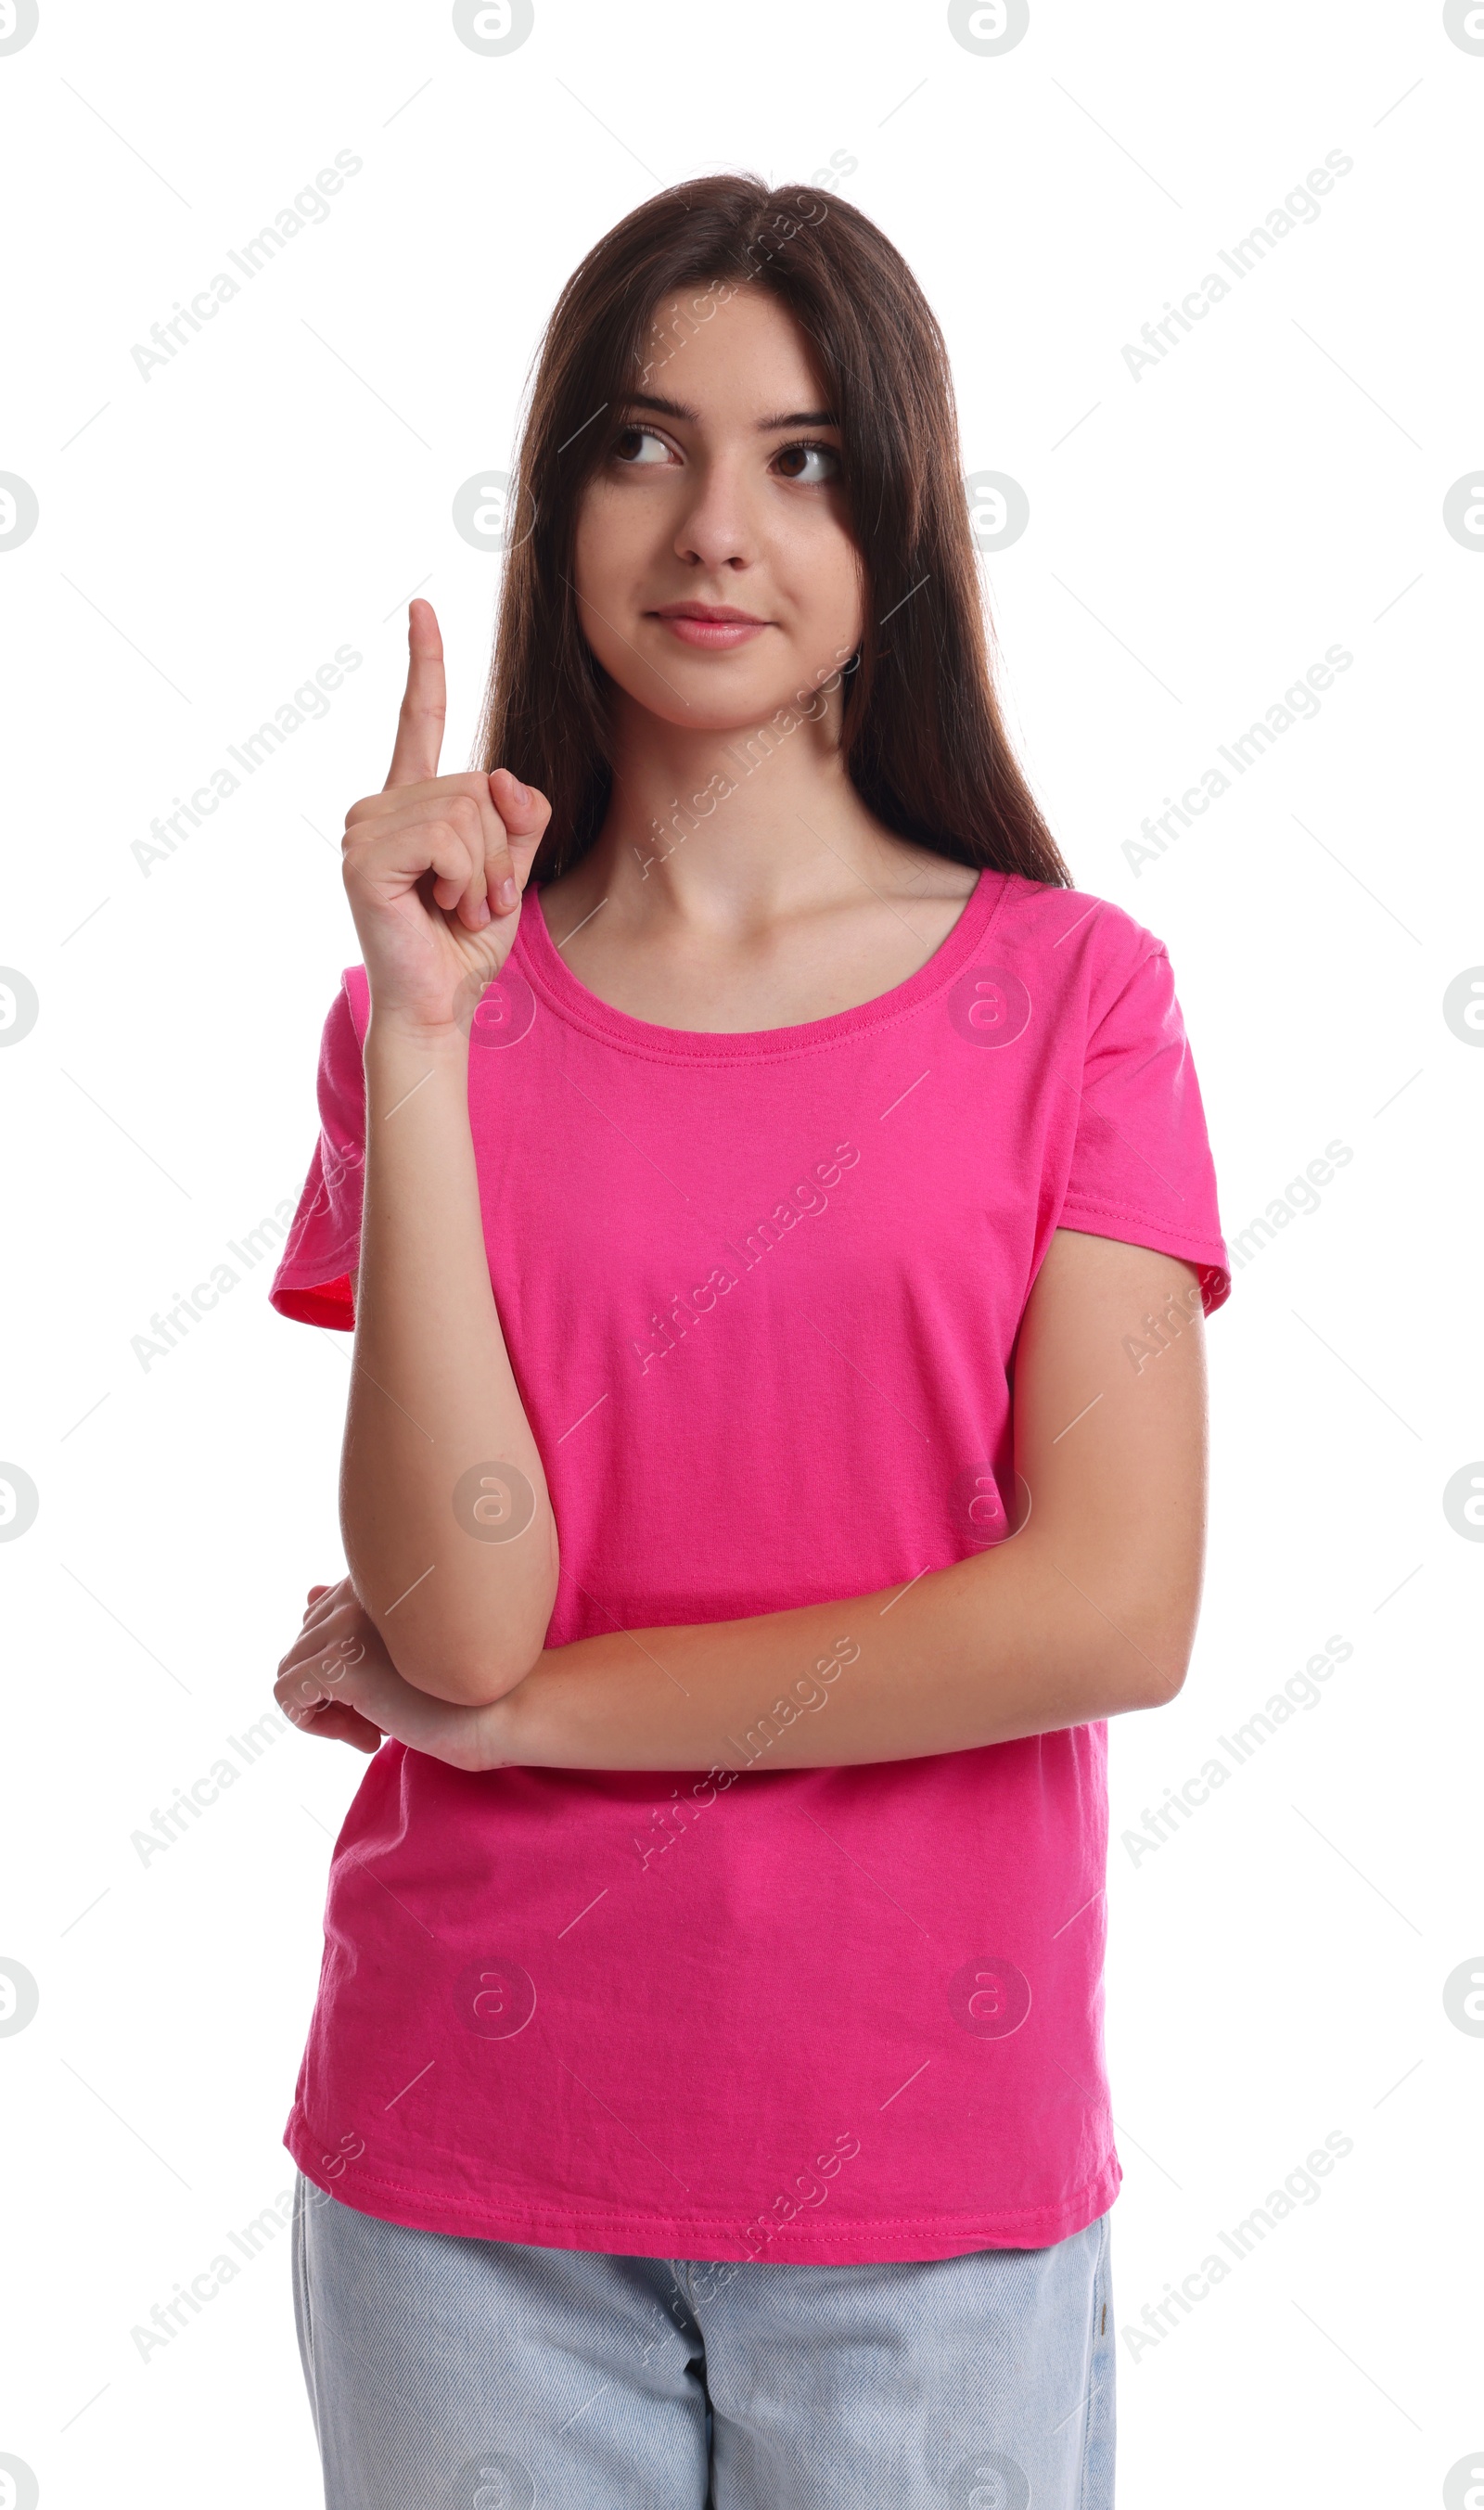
(526, 814)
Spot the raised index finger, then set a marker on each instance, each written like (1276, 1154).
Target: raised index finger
(420, 724)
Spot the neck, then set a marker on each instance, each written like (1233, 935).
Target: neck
(734, 826)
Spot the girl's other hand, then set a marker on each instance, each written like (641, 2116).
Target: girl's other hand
(338, 1681)
(312, 1688)
(434, 865)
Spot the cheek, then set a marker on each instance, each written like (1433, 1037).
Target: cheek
(609, 552)
(594, 545)
(822, 568)
(840, 609)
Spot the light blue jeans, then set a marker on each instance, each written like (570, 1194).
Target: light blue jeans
(449, 2374)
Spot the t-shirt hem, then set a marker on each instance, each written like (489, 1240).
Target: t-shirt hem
(895, 2239)
(1142, 1228)
(318, 1292)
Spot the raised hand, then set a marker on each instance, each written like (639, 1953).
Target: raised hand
(435, 866)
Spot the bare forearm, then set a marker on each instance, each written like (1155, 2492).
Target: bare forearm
(440, 1462)
(1011, 1643)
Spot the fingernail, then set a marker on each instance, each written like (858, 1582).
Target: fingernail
(481, 912)
(521, 791)
(508, 893)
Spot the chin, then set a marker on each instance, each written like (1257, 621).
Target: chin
(714, 693)
(708, 711)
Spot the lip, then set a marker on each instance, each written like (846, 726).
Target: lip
(714, 626)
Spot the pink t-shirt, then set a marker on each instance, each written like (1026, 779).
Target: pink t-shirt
(759, 1293)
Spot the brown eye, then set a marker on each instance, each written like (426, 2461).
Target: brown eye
(639, 446)
(810, 464)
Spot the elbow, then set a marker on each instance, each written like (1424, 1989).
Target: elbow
(1151, 1639)
(471, 1668)
(1164, 1683)
(471, 1648)
(472, 1681)
(468, 1678)
(1150, 1669)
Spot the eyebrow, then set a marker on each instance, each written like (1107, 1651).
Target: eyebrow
(764, 426)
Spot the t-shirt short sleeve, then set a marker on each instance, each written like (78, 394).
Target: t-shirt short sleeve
(313, 1278)
(1141, 1163)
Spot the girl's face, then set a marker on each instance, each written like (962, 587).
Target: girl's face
(716, 578)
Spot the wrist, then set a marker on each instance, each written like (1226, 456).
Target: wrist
(396, 1048)
(509, 1733)
(402, 1035)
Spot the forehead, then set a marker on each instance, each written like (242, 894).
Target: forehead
(734, 342)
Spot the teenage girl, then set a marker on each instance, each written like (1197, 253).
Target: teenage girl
(776, 1216)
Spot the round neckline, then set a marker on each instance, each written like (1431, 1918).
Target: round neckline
(552, 979)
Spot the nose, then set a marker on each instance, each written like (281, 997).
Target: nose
(717, 529)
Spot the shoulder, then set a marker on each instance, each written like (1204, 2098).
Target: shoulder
(924, 874)
(1079, 939)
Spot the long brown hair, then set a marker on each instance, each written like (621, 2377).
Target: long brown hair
(923, 739)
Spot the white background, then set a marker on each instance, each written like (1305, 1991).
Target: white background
(1198, 538)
